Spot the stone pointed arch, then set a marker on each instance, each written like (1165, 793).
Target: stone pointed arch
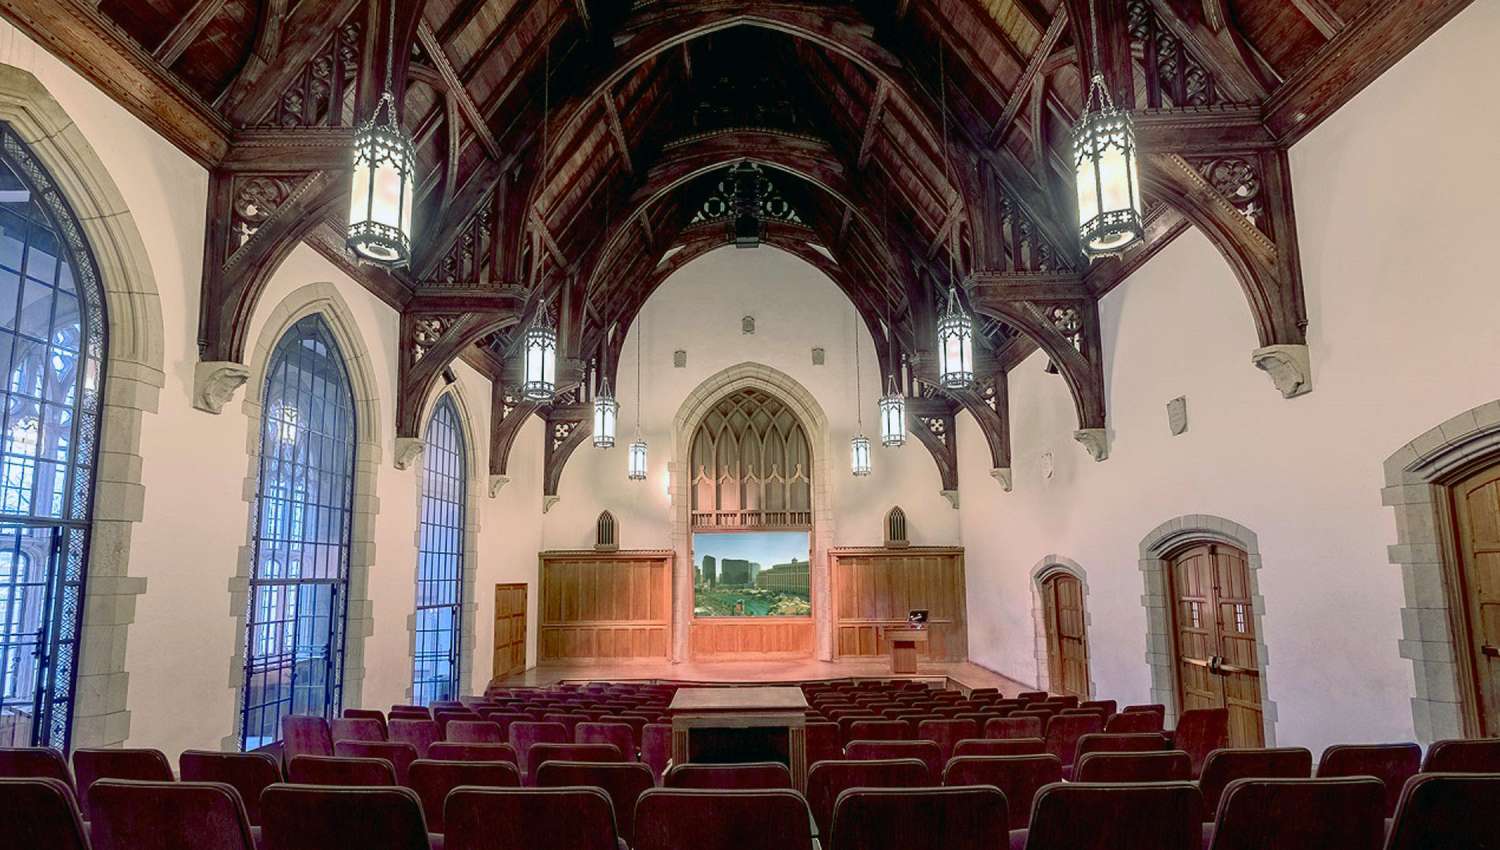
(814, 422)
(1044, 569)
(133, 381)
(322, 299)
(1166, 540)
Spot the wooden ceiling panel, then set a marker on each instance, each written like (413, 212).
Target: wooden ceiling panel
(212, 59)
(1281, 33)
(147, 21)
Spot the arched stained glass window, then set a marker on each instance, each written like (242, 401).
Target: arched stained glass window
(294, 655)
(440, 558)
(52, 350)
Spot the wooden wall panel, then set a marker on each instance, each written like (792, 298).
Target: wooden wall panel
(742, 638)
(875, 588)
(604, 605)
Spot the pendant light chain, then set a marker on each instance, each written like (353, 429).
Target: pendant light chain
(639, 333)
(859, 415)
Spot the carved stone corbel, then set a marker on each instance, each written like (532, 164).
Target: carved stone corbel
(1289, 366)
(497, 483)
(548, 500)
(408, 449)
(1096, 440)
(1003, 475)
(215, 383)
(952, 497)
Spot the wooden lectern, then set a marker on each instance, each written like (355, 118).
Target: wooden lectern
(904, 643)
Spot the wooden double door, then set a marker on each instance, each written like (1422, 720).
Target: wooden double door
(1067, 644)
(1475, 595)
(1214, 626)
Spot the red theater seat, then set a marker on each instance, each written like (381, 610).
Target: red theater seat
(305, 735)
(947, 733)
(335, 770)
(529, 819)
(91, 765)
(1392, 764)
(1013, 727)
(1224, 766)
(357, 729)
(134, 815)
(1165, 766)
(1063, 733)
(474, 732)
(1199, 732)
(1018, 778)
(959, 818)
(1447, 811)
(827, 779)
(755, 775)
(421, 734)
(1089, 816)
(39, 812)
(681, 818)
(1301, 814)
(35, 763)
(248, 773)
(620, 735)
(624, 782)
(448, 751)
(399, 755)
(928, 752)
(433, 780)
(1000, 747)
(311, 817)
(879, 730)
(1463, 756)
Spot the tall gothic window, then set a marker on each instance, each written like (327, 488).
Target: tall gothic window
(52, 350)
(440, 558)
(294, 655)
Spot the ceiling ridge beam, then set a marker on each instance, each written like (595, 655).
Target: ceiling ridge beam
(456, 90)
(186, 31)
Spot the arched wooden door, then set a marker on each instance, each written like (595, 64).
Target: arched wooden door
(1217, 663)
(1476, 511)
(1067, 644)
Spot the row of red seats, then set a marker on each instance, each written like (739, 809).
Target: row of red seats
(1436, 810)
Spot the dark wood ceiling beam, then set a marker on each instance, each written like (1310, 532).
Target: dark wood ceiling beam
(97, 48)
(1324, 18)
(1222, 52)
(456, 90)
(1025, 84)
(617, 130)
(458, 20)
(1364, 49)
(506, 31)
(261, 82)
(187, 30)
(872, 123)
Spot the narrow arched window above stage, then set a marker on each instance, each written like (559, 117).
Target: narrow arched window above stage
(895, 529)
(751, 466)
(606, 533)
(294, 657)
(52, 343)
(437, 656)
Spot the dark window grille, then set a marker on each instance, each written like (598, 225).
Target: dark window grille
(295, 626)
(52, 343)
(436, 661)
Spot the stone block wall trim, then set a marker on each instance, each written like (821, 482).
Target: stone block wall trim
(1412, 474)
(1160, 655)
(134, 378)
(323, 299)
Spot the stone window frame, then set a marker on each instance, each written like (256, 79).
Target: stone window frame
(1165, 539)
(1043, 570)
(475, 476)
(814, 421)
(324, 300)
(1414, 475)
(133, 381)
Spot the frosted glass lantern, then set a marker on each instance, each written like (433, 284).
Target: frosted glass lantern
(892, 417)
(955, 345)
(859, 455)
(380, 196)
(638, 460)
(539, 380)
(606, 412)
(1108, 180)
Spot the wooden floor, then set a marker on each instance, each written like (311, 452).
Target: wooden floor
(960, 675)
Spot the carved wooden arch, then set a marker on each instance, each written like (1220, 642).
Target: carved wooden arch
(841, 29)
(1064, 323)
(431, 339)
(1262, 252)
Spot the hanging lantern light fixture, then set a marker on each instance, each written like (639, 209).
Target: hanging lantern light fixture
(892, 416)
(539, 380)
(859, 444)
(1107, 177)
(636, 463)
(606, 411)
(955, 339)
(380, 196)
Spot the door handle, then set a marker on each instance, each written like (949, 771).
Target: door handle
(1489, 650)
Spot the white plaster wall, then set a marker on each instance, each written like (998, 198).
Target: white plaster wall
(698, 310)
(1404, 334)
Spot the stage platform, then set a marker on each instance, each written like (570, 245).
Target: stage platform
(961, 675)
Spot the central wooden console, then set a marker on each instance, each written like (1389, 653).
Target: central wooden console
(727, 725)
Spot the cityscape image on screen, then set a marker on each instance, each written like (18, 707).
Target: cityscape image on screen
(751, 574)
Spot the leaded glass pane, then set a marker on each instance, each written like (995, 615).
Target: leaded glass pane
(440, 558)
(298, 587)
(51, 342)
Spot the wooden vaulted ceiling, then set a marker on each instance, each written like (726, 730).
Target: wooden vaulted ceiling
(572, 153)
